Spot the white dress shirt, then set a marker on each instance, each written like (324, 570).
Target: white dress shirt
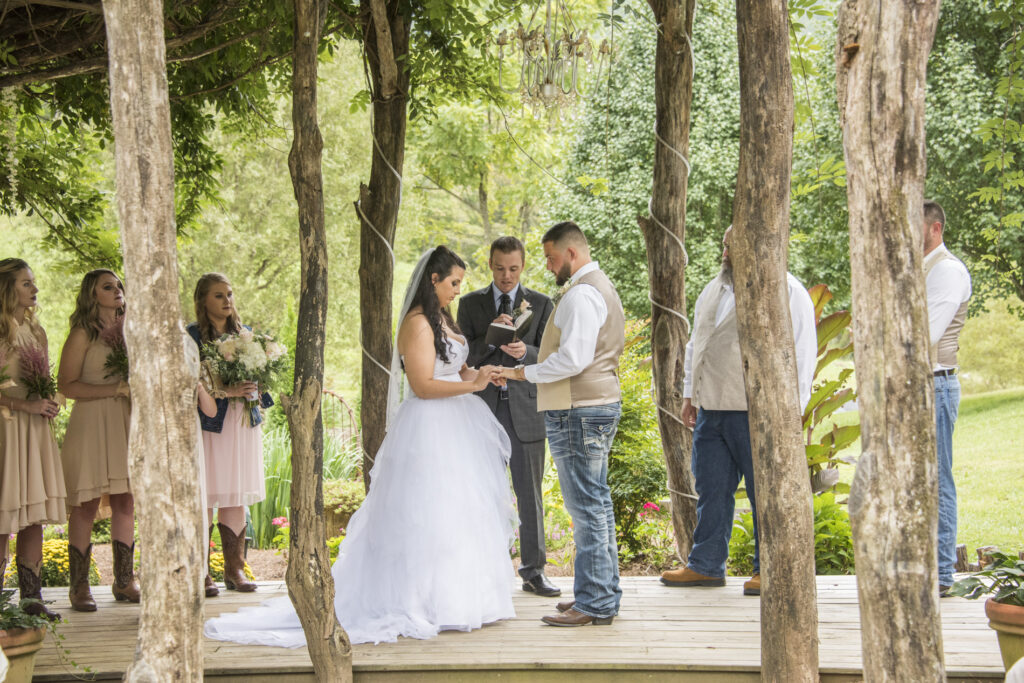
(579, 315)
(948, 285)
(805, 336)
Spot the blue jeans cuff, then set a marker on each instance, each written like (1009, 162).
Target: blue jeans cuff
(715, 573)
(590, 612)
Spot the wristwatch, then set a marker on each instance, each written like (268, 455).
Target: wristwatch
(520, 371)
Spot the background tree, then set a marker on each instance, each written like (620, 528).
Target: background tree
(162, 445)
(758, 249)
(881, 58)
(664, 230)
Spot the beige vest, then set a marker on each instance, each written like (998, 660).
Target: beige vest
(717, 368)
(944, 352)
(598, 384)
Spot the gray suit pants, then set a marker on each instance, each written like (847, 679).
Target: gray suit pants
(527, 466)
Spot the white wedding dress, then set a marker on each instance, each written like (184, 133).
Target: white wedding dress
(429, 548)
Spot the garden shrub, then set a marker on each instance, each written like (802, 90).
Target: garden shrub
(636, 466)
(344, 497)
(833, 541)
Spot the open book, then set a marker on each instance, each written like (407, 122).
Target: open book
(498, 335)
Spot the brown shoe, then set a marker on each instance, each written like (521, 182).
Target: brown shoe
(571, 617)
(687, 578)
(78, 591)
(125, 587)
(211, 588)
(565, 605)
(31, 587)
(234, 564)
(753, 586)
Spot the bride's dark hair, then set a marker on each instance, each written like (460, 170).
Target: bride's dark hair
(440, 264)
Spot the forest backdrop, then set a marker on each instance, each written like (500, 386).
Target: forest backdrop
(479, 164)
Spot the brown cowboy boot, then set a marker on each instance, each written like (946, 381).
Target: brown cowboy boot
(125, 587)
(32, 587)
(78, 592)
(234, 564)
(211, 588)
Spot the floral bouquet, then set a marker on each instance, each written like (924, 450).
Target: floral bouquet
(112, 335)
(36, 374)
(247, 357)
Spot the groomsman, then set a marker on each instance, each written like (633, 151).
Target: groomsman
(515, 405)
(715, 407)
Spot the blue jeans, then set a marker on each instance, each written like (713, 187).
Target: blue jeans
(721, 456)
(947, 403)
(580, 439)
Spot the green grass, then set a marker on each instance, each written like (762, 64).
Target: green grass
(988, 467)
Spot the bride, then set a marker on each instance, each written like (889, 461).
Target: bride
(428, 549)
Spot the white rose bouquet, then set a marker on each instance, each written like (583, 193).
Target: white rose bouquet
(247, 357)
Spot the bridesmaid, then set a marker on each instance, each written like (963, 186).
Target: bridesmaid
(95, 452)
(31, 482)
(233, 449)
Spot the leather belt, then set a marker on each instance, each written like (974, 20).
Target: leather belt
(948, 372)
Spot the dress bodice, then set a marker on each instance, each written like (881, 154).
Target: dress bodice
(93, 370)
(457, 355)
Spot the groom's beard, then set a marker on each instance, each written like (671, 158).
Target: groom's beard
(563, 275)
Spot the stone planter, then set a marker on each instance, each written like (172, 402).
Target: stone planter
(20, 646)
(1008, 622)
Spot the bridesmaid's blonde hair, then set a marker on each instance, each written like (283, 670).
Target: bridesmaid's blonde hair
(206, 331)
(87, 310)
(9, 269)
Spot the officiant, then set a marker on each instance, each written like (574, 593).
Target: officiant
(515, 405)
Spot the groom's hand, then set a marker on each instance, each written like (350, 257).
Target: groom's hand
(689, 415)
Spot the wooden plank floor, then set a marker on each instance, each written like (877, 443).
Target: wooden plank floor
(661, 634)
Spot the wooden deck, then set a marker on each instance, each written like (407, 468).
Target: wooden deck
(662, 634)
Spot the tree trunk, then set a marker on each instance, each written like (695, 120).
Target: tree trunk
(485, 210)
(309, 570)
(666, 257)
(759, 249)
(162, 445)
(881, 56)
(387, 46)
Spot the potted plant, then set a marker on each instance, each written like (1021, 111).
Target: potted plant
(21, 636)
(1004, 579)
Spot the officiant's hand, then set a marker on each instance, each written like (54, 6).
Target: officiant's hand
(241, 389)
(516, 349)
(503, 319)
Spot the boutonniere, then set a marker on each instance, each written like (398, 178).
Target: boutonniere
(524, 306)
(561, 293)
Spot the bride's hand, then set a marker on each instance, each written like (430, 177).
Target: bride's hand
(484, 376)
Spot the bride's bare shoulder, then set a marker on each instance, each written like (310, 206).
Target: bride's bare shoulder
(413, 326)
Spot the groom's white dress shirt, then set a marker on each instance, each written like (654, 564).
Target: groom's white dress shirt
(579, 315)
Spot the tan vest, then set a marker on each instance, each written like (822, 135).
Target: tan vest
(944, 352)
(717, 368)
(598, 384)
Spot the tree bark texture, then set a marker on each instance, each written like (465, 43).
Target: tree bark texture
(162, 446)
(387, 46)
(310, 584)
(758, 250)
(666, 257)
(882, 56)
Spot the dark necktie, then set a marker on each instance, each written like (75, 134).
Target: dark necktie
(504, 305)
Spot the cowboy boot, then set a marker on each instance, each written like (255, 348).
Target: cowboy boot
(31, 586)
(125, 587)
(234, 564)
(211, 588)
(78, 592)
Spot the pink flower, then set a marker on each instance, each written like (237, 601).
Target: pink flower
(652, 506)
(279, 521)
(229, 357)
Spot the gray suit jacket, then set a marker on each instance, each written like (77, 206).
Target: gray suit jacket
(476, 312)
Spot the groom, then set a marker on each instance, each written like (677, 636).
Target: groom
(578, 388)
(514, 405)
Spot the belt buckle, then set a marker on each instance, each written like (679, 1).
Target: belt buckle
(503, 394)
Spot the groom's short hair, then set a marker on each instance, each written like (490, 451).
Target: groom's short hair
(507, 245)
(564, 234)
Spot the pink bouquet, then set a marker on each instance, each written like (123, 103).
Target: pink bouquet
(112, 335)
(36, 373)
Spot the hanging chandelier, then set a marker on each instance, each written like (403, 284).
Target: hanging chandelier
(550, 58)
